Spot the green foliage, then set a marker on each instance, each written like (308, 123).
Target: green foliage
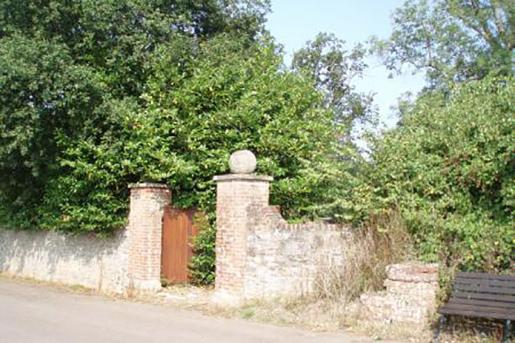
(72, 75)
(451, 40)
(43, 96)
(449, 169)
(228, 99)
(202, 267)
(449, 166)
(95, 95)
(333, 69)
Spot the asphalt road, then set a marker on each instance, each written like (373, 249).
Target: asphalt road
(30, 313)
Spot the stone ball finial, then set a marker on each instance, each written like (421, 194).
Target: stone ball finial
(242, 162)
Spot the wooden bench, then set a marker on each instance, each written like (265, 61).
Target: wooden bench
(482, 295)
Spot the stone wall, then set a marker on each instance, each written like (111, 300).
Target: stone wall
(127, 262)
(258, 254)
(409, 295)
(290, 259)
(74, 260)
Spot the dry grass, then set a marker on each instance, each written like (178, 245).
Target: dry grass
(399, 331)
(467, 330)
(331, 315)
(321, 315)
(382, 241)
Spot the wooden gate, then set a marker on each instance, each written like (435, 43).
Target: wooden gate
(178, 231)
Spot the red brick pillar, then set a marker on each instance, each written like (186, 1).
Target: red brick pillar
(239, 200)
(147, 202)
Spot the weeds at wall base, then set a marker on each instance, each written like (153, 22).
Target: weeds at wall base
(76, 289)
(382, 241)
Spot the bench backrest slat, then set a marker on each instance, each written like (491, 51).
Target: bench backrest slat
(484, 296)
(483, 276)
(492, 282)
(483, 287)
(485, 283)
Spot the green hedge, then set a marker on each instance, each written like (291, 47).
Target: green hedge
(449, 168)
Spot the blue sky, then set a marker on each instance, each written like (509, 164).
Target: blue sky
(293, 22)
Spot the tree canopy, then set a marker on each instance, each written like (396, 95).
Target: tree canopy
(333, 67)
(98, 94)
(451, 40)
(95, 95)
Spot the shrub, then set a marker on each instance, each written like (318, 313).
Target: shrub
(449, 169)
(202, 266)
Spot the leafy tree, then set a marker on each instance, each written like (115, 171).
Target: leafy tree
(69, 71)
(194, 115)
(449, 170)
(451, 40)
(118, 36)
(96, 95)
(43, 96)
(333, 69)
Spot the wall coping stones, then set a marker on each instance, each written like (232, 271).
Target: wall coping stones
(310, 225)
(148, 185)
(243, 177)
(413, 272)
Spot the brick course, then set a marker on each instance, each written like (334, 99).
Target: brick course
(238, 198)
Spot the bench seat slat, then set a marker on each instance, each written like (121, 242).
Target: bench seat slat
(482, 303)
(484, 296)
(467, 307)
(475, 313)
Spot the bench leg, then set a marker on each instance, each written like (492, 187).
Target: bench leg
(506, 331)
(441, 322)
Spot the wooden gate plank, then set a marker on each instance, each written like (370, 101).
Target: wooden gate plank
(178, 231)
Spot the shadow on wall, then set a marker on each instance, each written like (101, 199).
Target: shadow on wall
(72, 259)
